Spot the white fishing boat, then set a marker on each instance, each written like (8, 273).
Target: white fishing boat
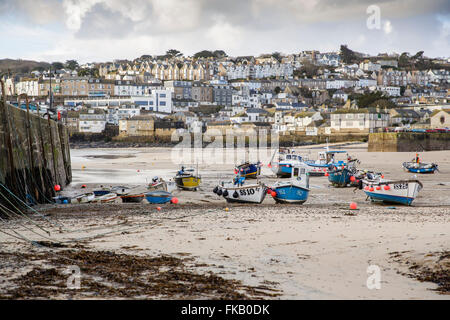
(83, 198)
(237, 191)
(392, 191)
(120, 190)
(159, 184)
(105, 198)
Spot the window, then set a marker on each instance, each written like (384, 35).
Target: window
(162, 103)
(442, 119)
(162, 95)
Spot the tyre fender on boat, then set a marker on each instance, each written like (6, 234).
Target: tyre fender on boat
(235, 195)
(225, 193)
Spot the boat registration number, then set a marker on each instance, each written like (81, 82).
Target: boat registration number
(248, 192)
(400, 186)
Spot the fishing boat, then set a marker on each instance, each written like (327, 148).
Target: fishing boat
(160, 184)
(83, 198)
(340, 175)
(110, 197)
(158, 197)
(120, 190)
(282, 161)
(249, 170)
(294, 191)
(325, 158)
(102, 191)
(133, 198)
(416, 166)
(187, 179)
(392, 191)
(238, 191)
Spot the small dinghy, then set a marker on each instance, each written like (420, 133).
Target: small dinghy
(158, 197)
(294, 191)
(186, 179)
(392, 191)
(415, 166)
(238, 191)
(160, 184)
(102, 191)
(105, 198)
(133, 198)
(83, 198)
(120, 190)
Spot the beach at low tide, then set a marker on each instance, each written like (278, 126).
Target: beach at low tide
(318, 250)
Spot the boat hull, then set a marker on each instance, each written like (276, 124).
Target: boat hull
(340, 177)
(86, 198)
(188, 183)
(133, 198)
(422, 168)
(291, 194)
(400, 192)
(245, 194)
(158, 197)
(251, 171)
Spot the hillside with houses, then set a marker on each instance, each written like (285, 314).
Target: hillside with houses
(308, 93)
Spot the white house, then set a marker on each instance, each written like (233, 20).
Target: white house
(92, 121)
(160, 100)
(28, 86)
(391, 91)
(359, 120)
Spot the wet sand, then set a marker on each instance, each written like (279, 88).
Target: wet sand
(319, 250)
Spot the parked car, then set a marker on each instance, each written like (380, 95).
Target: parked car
(431, 131)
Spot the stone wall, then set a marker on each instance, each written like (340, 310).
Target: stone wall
(34, 157)
(408, 142)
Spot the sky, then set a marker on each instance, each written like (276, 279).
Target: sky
(104, 30)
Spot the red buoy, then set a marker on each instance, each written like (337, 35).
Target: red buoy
(57, 187)
(352, 179)
(158, 208)
(174, 200)
(378, 188)
(269, 191)
(366, 188)
(371, 189)
(386, 187)
(353, 206)
(274, 194)
(83, 186)
(326, 174)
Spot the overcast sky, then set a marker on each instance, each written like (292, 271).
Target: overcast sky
(103, 30)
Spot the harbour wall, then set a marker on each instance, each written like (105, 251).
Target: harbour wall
(408, 142)
(34, 157)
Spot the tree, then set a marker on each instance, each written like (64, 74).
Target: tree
(347, 55)
(57, 66)
(277, 56)
(172, 53)
(277, 90)
(204, 54)
(403, 60)
(72, 64)
(220, 54)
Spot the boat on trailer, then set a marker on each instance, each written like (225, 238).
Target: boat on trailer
(392, 191)
(294, 191)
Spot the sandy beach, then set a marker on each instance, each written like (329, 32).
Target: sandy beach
(318, 250)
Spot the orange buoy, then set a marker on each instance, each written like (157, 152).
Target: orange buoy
(382, 176)
(378, 188)
(386, 187)
(174, 200)
(327, 174)
(352, 179)
(57, 187)
(273, 194)
(371, 189)
(353, 206)
(158, 208)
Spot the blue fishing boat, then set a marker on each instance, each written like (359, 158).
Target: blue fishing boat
(158, 197)
(325, 158)
(415, 166)
(294, 191)
(340, 175)
(282, 164)
(99, 193)
(249, 170)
